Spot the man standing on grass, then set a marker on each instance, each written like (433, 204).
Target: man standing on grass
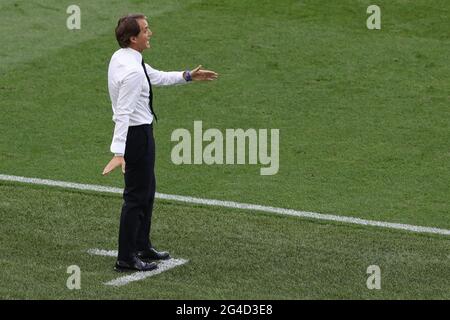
(130, 83)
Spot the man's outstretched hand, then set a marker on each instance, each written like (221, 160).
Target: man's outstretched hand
(114, 163)
(198, 74)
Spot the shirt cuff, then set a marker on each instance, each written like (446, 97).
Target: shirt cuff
(118, 148)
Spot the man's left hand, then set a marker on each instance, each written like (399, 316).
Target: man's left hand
(199, 74)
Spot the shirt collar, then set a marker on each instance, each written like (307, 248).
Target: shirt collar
(136, 54)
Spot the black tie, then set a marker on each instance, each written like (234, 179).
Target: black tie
(150, 101)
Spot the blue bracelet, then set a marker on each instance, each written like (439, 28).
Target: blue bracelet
(188, 75)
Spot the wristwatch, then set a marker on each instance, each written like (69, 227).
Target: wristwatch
(187, 75)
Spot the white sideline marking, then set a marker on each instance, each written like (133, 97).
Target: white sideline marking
(236, 205)
(163, 265)
(101, 252)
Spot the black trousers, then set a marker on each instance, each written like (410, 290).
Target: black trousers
(139, 192)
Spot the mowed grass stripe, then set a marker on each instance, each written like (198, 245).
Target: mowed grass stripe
(47, 32)
(234, 205)
(355, 137)
(231, 255)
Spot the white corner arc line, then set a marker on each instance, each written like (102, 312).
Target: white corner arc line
(236, 205)
(163, 265)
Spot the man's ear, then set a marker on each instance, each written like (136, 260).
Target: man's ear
(133, 39)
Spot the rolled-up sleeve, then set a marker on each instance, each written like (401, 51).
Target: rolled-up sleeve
(164, 78)
(129, 92)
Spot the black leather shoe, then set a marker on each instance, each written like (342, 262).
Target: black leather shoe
(135, 264)
(152, 254)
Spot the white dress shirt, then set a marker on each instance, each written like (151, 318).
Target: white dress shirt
(129, 92)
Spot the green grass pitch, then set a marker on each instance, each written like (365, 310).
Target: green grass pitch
(364, 124)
